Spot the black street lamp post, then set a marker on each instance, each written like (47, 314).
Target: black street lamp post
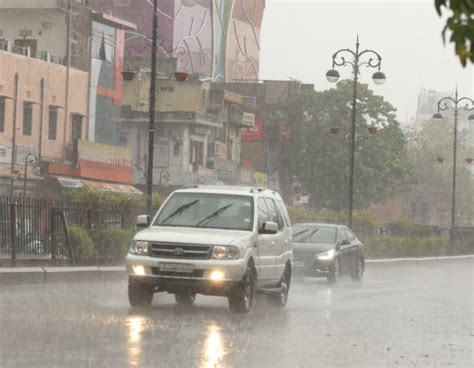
(374, 60)
(455, 104)
(30, 160)
(151, 125)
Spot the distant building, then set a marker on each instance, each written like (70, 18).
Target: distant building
(198, 127)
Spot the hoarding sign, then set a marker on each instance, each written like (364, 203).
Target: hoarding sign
(255, 133)
(5, 153)
(224, 165)
(248, 119)
(105, 162)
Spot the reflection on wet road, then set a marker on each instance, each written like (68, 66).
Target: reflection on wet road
(416, 315)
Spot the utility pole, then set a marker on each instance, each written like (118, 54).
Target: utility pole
(151, 126)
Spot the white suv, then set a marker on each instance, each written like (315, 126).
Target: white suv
(226, 241)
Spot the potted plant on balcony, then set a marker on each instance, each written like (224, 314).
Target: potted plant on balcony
(181, 76)
(128, 74)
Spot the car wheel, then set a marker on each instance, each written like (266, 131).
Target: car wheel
(359, 271)
(241, 298)
(185, 298)
(333, 278)
(281, 298)
(139, 293)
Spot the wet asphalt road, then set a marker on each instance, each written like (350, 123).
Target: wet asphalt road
(403, 315)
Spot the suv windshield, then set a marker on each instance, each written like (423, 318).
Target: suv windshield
(207, 210)
(314, 234)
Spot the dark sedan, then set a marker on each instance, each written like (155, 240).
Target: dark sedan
(327, 250)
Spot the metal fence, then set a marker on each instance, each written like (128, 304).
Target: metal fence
(32, 228)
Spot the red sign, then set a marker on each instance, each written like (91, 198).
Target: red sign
(285, 131)
(255, 133)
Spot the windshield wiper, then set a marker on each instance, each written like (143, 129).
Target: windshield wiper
(179, 210)
(213, 215)
(300, 232)
(308, 236)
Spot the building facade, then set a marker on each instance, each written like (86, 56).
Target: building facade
(34, 116)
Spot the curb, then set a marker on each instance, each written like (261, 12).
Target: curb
(39, 275)
(421, 259)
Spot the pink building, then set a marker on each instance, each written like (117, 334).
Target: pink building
(34, 115)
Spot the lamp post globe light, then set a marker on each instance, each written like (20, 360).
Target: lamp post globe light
(355, 59)
(30, 160)
(456, 105)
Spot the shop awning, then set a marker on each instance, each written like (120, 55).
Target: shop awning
(66, 182)
(109, 187)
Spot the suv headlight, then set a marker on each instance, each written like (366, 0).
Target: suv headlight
(225, 252)
(139, 248)
(326, 256)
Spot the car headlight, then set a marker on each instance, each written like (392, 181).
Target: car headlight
(326, 256)
(225, 252)
(139, 248)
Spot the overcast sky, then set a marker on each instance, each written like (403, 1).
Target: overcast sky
(300, 36)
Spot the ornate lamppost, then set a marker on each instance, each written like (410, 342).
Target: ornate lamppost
(372, 60)
(456, 105)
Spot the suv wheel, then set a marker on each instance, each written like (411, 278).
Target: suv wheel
(139, 293)
(185, 298)
(280, 299)
(241, 298)
(333, 278)
(359, 271)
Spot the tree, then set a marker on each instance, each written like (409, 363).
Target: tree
(320, 160)
(461, 25)
(430, 150)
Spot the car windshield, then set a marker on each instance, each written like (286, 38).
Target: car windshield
(314, 234)
(207, 210)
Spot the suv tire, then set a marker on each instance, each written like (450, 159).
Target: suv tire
(280, 299)
(242, 296)
(139, 293)
(185, 298)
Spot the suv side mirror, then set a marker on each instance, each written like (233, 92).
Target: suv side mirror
(344, 242)
(269, 228)
(143, 221)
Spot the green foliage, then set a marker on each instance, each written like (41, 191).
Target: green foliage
(399, 247)
(363, 222)
(131, 204)
(460, 23)
(320, 160)
(82, 246)
(111, 244)
(433, 180)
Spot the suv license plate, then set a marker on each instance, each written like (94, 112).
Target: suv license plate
(177, 267)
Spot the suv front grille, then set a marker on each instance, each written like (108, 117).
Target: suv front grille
(180, 251)
(195, 274)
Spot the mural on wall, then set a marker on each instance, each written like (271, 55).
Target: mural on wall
(215, 38)
(184, 30)
(192, 36)
(243, 40)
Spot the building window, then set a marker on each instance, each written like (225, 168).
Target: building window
(27, 118)
(53, 123)
(76, 127)
(2, 115)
